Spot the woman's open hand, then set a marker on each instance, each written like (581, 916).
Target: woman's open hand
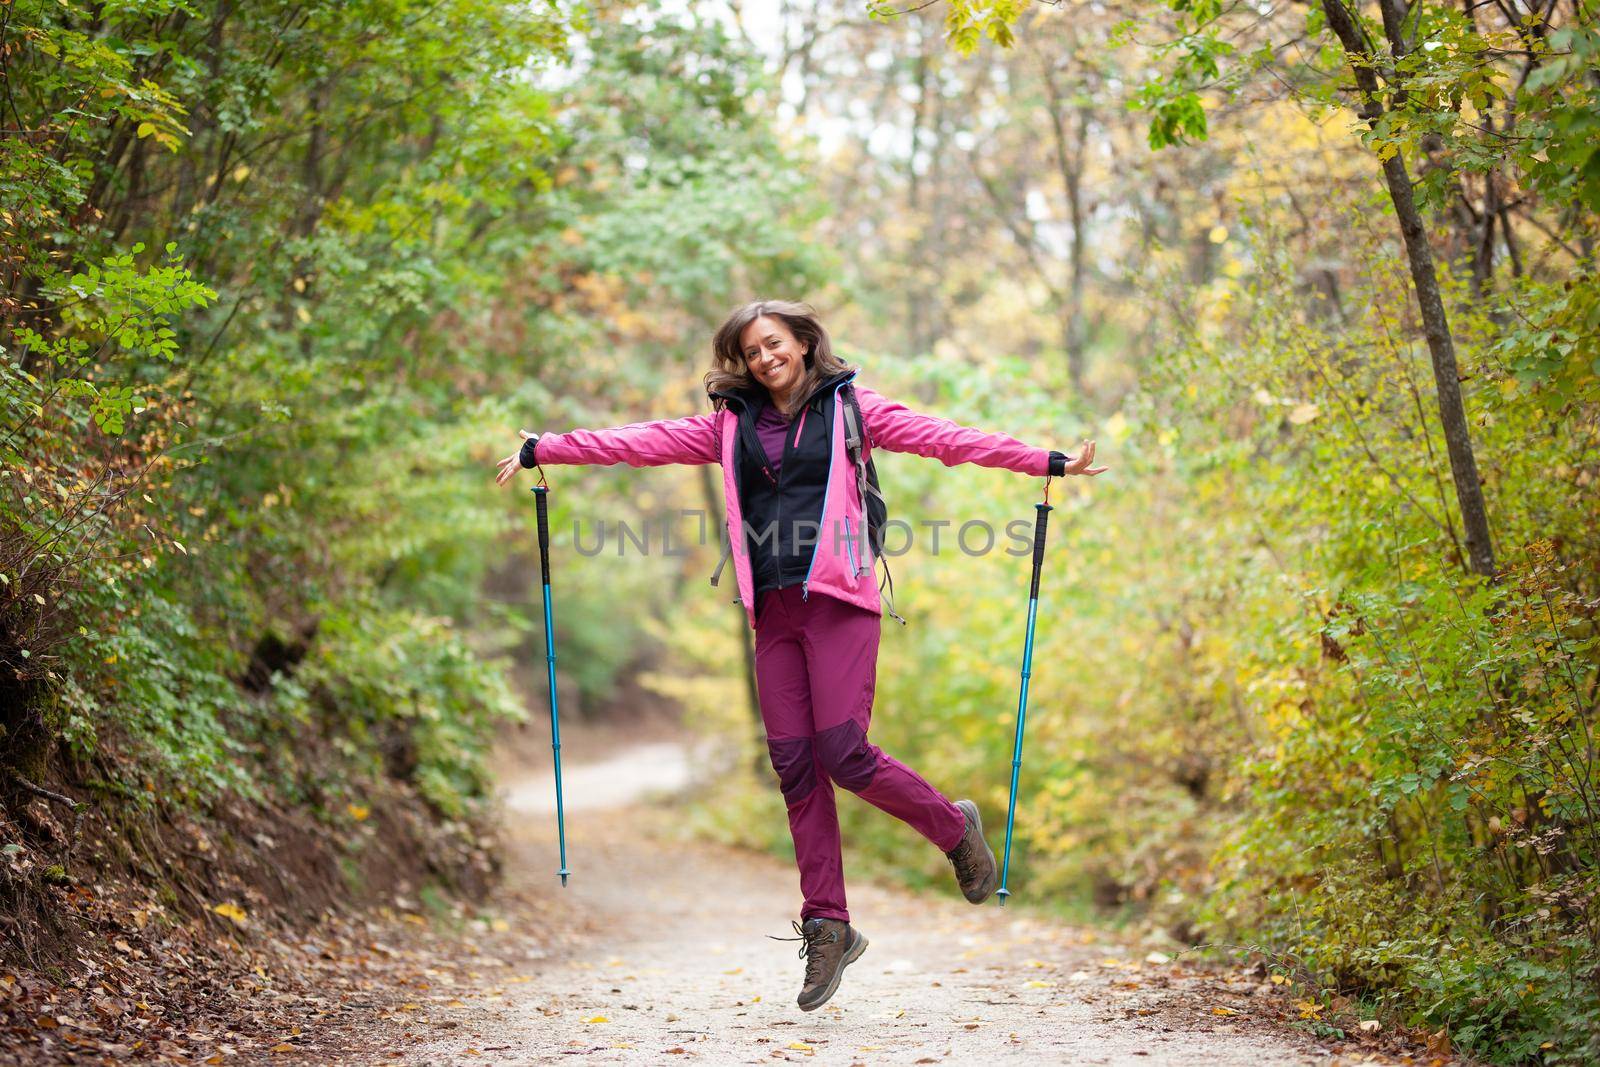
(512, 463)
(1079, 464)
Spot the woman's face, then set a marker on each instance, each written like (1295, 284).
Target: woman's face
(774, 357)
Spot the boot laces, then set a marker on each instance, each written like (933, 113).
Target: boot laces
(811, 950)
(962, 855)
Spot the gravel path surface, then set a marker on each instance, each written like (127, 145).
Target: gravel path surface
(662, 953)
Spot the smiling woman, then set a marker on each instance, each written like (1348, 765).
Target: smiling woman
(796, 523)
(781, 344)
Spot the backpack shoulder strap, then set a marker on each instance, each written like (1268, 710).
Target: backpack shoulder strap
(852, 442)
(852, 424)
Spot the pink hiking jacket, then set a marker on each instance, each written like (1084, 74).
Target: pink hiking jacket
(841, 566)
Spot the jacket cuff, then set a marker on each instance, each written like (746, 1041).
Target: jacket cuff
(1058, 463)
(528, 457)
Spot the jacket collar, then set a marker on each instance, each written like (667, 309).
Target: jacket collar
(753, 395)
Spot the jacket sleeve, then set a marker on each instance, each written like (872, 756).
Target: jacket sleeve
(892, 425)
(638, 444)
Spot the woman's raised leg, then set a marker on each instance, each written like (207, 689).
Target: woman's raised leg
(842, 656)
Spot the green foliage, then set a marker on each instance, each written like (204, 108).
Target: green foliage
(1413, 753)
(406, 691)
(116, 311)
(1470, 91)
(157, 688)
(967, 23)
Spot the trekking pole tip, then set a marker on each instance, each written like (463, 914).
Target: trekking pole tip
(1002, 895)
(563, 872)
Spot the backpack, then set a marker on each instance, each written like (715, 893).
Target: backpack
(872, 500)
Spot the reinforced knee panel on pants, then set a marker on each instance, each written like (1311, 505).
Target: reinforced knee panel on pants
(794, 759)
(845, 755)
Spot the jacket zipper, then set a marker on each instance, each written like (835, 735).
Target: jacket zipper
(850, 547)
(788, 464)
(791, 447)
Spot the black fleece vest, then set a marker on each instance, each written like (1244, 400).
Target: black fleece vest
(782, 509)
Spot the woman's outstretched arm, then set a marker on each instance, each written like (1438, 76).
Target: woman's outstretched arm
(892, 425)
(638, 444)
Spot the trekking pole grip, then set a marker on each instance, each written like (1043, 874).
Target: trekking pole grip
(1041, 523)
(542, 504)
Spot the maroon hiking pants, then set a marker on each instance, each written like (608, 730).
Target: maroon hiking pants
(816, 669)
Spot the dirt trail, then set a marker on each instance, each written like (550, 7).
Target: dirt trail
(663, 953)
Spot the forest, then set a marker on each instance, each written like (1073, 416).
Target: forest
(1317, 668)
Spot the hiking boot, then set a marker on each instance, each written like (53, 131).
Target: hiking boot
(974, 860)
(827, 946)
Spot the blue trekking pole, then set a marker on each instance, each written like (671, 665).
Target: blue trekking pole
(541, 499)
(1027, 669)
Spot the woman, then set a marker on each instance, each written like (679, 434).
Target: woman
(796, 526)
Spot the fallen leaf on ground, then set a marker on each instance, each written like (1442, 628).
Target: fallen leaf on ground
(231, 911)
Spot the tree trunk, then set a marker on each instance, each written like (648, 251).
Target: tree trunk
(1071, 151)
(1425, 283)
(1446, 375)
(919, 333)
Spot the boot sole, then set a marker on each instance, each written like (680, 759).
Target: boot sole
(849, 957)
(987, 888)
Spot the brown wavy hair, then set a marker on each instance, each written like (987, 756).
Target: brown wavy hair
(728, 370)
